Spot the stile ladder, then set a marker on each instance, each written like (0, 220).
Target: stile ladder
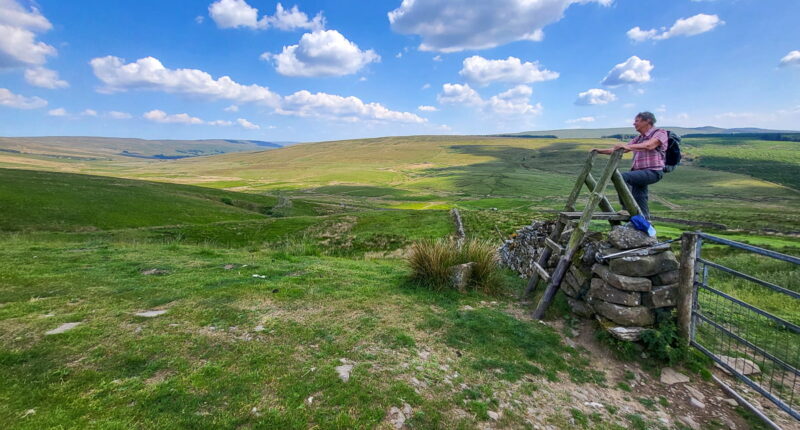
(566, 223)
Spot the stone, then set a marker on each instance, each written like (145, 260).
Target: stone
(629, 334)
(731, 402)
(666, 278)
(629, 316)
(493, 415)
(571, 286)
(62, 328)
(695, 393)
(600, 290)
(661, 297)
(460, 276)
(622, 282)
(229, 266)
(623, 237)
(689, 422)
(154, 272)
(696, 403)
(580, 276)
(740, 365)
(670, 376)
(344, 371)
(646, 265)
(150, 314)
(397, 417)
(580, 308)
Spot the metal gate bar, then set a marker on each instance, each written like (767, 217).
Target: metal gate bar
(726, 328)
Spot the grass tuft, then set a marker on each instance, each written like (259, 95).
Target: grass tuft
(431, 262)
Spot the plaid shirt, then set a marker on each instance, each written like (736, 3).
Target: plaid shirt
(652, 159)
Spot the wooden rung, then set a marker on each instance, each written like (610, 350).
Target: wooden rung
(553, 245)
(542, 273)
(611, 216)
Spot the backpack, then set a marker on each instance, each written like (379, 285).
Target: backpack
(673, 153)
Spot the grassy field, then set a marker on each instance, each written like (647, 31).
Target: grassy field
(274, 268)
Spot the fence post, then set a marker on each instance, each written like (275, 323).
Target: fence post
(686, 285)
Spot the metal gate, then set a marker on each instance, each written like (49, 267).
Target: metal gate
(729, 323)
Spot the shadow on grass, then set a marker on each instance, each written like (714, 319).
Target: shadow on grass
(768, 170)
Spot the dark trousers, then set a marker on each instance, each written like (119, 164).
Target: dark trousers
(637, 181)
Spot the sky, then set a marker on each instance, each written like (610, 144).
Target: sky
(328, 70)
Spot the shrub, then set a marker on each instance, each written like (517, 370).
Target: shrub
(431, 260)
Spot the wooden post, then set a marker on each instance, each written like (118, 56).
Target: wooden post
(625, 195)
(686, 285)
(576, 190)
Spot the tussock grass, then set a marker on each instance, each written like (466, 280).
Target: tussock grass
(431, 262)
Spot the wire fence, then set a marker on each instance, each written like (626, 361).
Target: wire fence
(746, 323)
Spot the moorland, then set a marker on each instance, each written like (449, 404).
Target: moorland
(277, 270)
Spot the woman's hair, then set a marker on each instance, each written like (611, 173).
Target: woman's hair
(647, 116)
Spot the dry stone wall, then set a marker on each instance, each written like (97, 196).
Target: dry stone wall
(623, 292)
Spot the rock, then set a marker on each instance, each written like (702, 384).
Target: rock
(154, 272)
(694, 392)
(310, 400)
(647, 265)
(731, 402)
(594, 405)
(424, 355)
(623, 237)
(739, 364)
(600, 290)
(580, 308)
(467, 308)
(344, 371)
(460, 276)
(666, 278)
(580, 276)
(396, 417)
(62, 328)
(636, 316)
(661, 297)
(572, 288)
(150, 314)
(229, 266)
(626, 283)
(669, 376)
(689, 422)
(493, 415)
(696, 403)
(630, 334)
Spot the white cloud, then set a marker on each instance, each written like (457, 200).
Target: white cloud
(456, 25)
(89, 112)
(633, 70)
(427, 108)
(322, 53)
(352, 109)
(437, 58)
(293, 19)
(595, 96)
(791, 59)
(426, 86)
(583, 119)
(199, 19)
(57, 112)
(44, 78)
(247, 124)
(232, 108)
(515, 101)
(459, 94)
(233, 14)
(482, 71)
(237, 13)
(18, 28)
(220, 122)
(179, 118)
(119, 115)
(691, 26)
(398, 55)
(149, 74)
(9, 99)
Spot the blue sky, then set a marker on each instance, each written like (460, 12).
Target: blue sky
(322, 70)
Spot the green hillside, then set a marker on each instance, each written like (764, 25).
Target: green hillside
(34, 200)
